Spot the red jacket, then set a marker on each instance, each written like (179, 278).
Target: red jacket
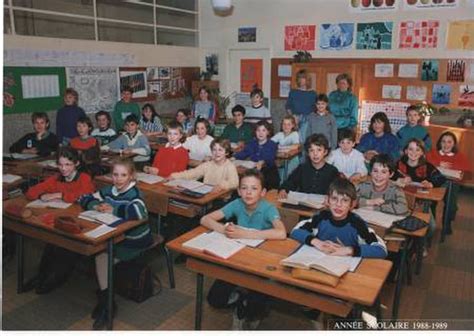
(458, 161)
(82, 184)
(170, 160)
(79, 144)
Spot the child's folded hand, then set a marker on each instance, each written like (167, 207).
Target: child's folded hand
(342, 251)
(427, 184)
(233, 231)
(376, 201)
(445, 164)
(282, 194)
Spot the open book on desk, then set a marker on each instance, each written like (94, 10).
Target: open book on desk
(451, 173)
(245, 163)
(48, 163)
(190, 187)
(313, 201)
(214, 243)
(56, 204)
(307, 257)
(100, 217)
(377, 218)
(149, 178)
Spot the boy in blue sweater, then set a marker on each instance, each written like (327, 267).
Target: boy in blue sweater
(413, 129)
(338, 231)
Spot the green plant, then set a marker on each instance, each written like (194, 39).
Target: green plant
(222, 102)
(426, 109)
(302, 56)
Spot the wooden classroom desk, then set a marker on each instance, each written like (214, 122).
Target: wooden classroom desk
(107, 157)
(156, 194)
(392, 246)
(28, 169)
(259, 269)
(35, 228)
(7, 187)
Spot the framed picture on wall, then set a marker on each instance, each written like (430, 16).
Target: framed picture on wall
(136, 79)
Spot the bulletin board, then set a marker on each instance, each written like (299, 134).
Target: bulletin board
(33, 89)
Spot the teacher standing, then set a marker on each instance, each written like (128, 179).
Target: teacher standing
(301, 102)
(343, 104)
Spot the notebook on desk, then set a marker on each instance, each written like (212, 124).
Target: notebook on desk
(377, 218)
(191, 188)
(310, 201)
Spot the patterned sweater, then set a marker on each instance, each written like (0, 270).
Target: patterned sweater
(138, 144)
(351, 231)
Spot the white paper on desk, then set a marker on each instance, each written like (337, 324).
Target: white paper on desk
(149, 178)
(452, 173)
(204, 189)
(22, 156)
(10, 178)
(248, 241)
(377, 218)
(99, 217)
(188, 184)
(245, 163)
(99, 231)
(48, 204)
(49, 163)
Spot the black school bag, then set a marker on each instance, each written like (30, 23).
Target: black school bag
(136, 281)
(410, 223)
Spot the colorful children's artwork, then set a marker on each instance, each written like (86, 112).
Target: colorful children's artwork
(407, 70)
(441, 94)
(374, 35)
(460, 35)
(455, 71)
(251, 74)
(466, 96)
(383, 70)
(391, 91)
(247, 34)
(336, 36)
(429, 70)
(301, 37)
(418, 34)
(429, 4)
(416, 92)
(373, 6)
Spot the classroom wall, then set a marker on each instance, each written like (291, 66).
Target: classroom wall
(218, 34)
(144, 54)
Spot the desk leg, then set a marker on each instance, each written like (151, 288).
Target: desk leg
(420, 244)
(19, 263)
(110, 281)
(401, 275)
(199, 288)
(446, 223)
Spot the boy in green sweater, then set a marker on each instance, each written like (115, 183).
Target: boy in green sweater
(124, 108)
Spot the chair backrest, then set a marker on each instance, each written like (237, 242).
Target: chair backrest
(289, 218)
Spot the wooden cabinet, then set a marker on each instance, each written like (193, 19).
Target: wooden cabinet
(323, 75)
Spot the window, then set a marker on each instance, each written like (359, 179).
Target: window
(169, 22)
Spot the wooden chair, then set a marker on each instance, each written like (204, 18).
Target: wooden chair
(159, 240)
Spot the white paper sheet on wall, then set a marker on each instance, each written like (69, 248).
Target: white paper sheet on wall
(284, 70)
(416, 92)
(406, 70)
(384, 70)
(285, 87)
(39, 86)
(391, 91)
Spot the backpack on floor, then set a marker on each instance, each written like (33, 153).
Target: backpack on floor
(136, 281)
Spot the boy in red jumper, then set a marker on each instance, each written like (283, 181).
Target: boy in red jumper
(87, 146)
(56, 263)
(173, 158)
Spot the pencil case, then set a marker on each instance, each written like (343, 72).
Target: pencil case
(315, 276)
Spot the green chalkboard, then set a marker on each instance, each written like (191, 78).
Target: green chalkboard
(14, 100)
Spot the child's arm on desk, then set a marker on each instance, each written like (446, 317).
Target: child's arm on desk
(211, 221)
(277, 232)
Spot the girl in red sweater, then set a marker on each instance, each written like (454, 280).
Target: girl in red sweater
(56, 263)
(172, 158)
(446, 155)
